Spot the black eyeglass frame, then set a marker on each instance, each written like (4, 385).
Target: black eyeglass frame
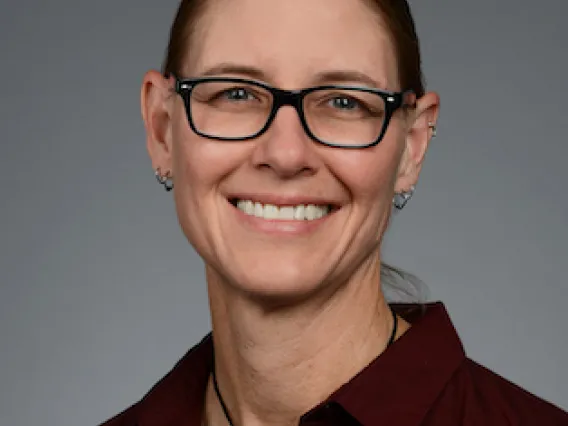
(295, 99)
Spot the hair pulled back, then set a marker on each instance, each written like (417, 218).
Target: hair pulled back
(395, 13)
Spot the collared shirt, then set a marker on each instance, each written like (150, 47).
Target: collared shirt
(424, 378)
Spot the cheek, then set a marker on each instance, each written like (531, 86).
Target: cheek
(370, 174)
(199, 164)
(199, 167)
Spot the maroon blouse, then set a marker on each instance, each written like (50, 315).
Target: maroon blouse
(424, 379)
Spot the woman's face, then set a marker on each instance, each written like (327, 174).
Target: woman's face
(288, 44)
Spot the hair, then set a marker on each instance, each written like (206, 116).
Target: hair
(395, 13)
(398, 284)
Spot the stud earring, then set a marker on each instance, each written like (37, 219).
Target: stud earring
(164, 179)
(401, 198)
(432, 126)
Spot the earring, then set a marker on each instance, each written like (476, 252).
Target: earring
(401, 198)
(164, 179)
(432, 126)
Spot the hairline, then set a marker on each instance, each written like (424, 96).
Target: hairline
(197, 27)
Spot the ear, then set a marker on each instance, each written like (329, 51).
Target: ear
(418, 137)
(156, 102)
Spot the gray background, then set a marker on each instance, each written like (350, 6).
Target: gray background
(100, 293)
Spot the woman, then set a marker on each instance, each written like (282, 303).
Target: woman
(287, 129)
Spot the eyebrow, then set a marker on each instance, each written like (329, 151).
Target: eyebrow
(320, 78)
(348, 76)
(230, 68)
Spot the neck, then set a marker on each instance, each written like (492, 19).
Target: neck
(272, 366)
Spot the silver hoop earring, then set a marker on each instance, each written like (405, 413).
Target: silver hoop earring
(432, 126)
(164, 179)
(401, 198)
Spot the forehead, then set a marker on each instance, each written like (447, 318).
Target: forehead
(293, 40)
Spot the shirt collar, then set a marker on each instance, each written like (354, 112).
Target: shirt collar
(402, 384)
(178, 399)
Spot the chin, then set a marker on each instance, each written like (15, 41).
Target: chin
(279, 285)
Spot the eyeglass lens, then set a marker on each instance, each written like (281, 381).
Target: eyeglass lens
(340, 116)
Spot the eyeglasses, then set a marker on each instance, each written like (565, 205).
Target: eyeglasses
(235, 109)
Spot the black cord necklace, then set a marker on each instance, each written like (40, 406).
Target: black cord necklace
(216, 384)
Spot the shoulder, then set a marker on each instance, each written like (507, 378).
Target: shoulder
(126, 418)
(477, 395)
(178, 394)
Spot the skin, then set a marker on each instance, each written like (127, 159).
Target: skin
(295, 314)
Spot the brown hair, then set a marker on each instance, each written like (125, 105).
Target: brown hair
(395, 13)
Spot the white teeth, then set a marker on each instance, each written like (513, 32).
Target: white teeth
(246, 206)
(249, 207)
(311, 212)
(258, 210)
(272, 212)
(286, 213)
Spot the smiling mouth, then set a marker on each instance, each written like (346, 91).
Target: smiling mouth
(300, 212)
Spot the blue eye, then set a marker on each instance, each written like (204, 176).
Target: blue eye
(344, 103)
(238, 94)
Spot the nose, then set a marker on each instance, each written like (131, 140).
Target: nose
(285, 148)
